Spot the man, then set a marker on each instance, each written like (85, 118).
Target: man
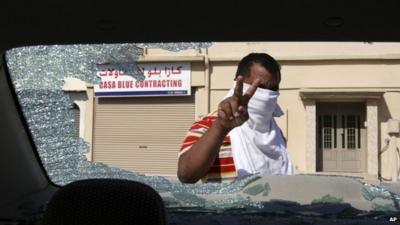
(241, 137)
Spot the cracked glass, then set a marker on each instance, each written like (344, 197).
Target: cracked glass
(38, 74)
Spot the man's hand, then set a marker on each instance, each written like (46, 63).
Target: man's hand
(232, 112)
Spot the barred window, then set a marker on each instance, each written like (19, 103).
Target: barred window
(351, 131)
(327, 131)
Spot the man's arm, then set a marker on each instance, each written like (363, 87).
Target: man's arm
(195, 162)
(232, 112)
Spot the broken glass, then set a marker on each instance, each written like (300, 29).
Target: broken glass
(38, 74)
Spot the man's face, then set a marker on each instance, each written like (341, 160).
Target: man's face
(258, 71)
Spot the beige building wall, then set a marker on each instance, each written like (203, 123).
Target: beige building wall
(389, 107)
(88, 136)
(369, 74)
(344, 67)
(82, 95)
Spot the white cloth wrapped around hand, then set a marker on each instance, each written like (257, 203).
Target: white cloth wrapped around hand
(258, 146)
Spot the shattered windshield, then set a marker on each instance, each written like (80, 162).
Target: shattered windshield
(40, 75)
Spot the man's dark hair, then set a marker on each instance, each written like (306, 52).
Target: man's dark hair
(265, 60)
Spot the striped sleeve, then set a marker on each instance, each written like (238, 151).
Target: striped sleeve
(196, 131)
(223, 169)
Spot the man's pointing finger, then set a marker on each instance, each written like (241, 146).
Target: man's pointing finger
(250, 92)
(239, 87)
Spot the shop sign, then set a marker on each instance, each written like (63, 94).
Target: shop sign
(157, 79)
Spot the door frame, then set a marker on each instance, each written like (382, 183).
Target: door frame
(371, 97)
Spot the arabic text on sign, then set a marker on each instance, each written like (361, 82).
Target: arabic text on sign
(168, 71)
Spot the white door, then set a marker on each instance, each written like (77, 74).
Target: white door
(341, 137)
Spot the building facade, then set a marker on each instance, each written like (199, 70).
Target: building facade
(338, 99)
